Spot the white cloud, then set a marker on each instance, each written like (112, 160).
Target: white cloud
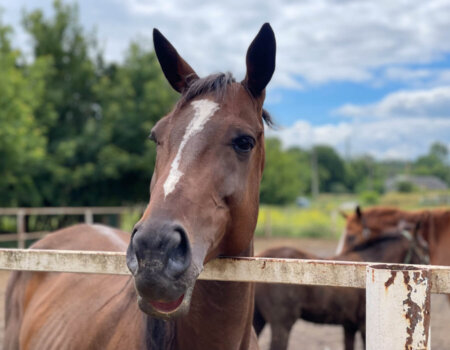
(398, 138)
(413, 77)
(429, 103)
(318, 40)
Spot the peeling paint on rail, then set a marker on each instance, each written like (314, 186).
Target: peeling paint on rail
(399, 305)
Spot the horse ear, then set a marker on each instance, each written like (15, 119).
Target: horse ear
(175, 68)
(358, 212)
(260, 61)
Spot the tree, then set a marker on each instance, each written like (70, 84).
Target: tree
(440, 151)
(434, 163)
(96, 116)
(281, 182)
(302, 157)
(22, 141)
(363, 174)
(331, 169)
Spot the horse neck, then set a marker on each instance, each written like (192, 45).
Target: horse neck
(220, 317)
(389, 250)
(436, 231)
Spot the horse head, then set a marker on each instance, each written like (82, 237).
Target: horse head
(372, 223)
(204, 192)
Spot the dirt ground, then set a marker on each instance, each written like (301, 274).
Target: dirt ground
(306, 335)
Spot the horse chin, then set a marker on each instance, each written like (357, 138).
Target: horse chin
(167, 310)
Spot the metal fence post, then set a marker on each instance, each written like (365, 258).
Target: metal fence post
(397, 308)
(20, 228)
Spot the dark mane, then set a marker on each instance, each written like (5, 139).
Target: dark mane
(377, 240)
(160, 334)
(216, 84)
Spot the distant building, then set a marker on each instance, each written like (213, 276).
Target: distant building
(421, 182)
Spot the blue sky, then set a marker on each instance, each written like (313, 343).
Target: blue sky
(372, 75)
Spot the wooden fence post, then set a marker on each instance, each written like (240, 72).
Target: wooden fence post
(20, 217)
(88, 217)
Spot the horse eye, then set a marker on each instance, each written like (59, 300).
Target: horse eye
(152, 137)
(243, 144)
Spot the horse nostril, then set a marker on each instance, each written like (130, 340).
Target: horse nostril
(131, 258)
(179, 254)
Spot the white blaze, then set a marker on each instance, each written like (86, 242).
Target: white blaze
(204, 109)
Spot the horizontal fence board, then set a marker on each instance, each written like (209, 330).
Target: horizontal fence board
(266, 270)
(67, 210)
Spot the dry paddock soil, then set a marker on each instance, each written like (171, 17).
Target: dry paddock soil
(306, 335)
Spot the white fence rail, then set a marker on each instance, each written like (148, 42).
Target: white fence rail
(398, 307)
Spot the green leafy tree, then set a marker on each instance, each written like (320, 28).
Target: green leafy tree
(303, 158)
(331, 169)
(96, 116)
(22, 141)
(363, 174)
(434, 163)
(281, 182)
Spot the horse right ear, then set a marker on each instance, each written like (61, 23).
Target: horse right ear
(175, 68)
(358, 212)
(260, 61)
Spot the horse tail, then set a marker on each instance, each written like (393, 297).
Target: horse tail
(258, 320)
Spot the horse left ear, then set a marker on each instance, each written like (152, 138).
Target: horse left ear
(177, 71)
(260, 61)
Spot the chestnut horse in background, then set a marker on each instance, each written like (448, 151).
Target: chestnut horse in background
(370, 223)
(203, 204)
(280, 305)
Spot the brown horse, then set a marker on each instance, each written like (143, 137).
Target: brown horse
(203, 204)
(370, 223)
(281, 305)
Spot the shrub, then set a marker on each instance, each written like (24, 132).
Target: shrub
(369, 197)
(405, 187)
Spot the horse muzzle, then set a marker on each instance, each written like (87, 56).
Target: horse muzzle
(160, 259)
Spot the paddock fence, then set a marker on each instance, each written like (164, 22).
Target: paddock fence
(398, 296)
(87, 213)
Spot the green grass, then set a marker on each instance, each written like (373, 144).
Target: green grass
(298, 222)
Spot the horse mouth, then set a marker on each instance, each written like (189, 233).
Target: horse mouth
(167, 309)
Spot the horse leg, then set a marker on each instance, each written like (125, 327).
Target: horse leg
(363, 336)
(349, 338)
(253, 341)
(258, 320)
(280, 336)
